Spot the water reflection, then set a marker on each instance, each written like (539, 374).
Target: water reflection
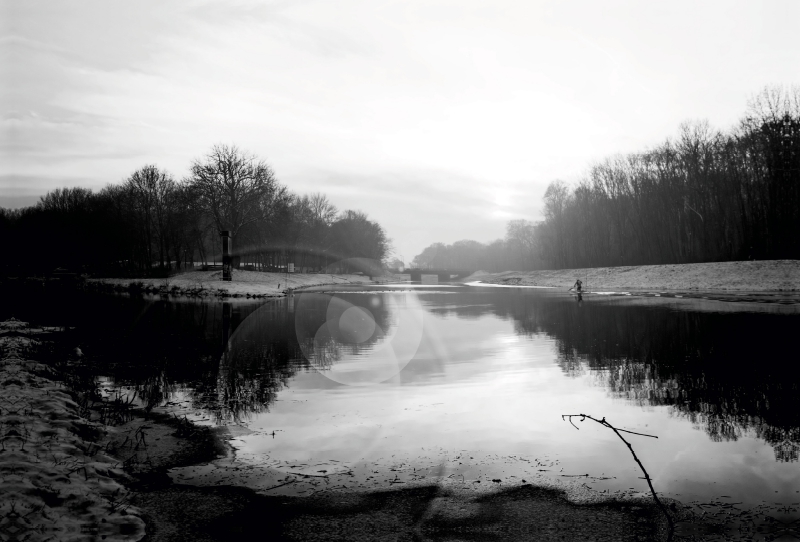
(255, 363)
(329, 327)
(728, 373)
(351, 339)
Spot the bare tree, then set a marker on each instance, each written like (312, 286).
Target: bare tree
(556, 200)
(152, 191)
(522, 234)
(65, 199)
(322, 209)
(232, 186)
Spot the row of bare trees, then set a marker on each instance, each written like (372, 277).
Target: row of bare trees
(703, 196)
(152, 223)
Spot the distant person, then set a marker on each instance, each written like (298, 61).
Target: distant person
(577, 286)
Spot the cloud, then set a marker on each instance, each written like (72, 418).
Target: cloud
(418, 207)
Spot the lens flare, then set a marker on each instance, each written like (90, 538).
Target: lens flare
(358, 344)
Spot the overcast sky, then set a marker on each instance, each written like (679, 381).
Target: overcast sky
(442, 120)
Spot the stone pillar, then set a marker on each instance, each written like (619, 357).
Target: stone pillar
(227, 260)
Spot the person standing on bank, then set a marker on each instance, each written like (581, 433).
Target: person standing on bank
(578, 284)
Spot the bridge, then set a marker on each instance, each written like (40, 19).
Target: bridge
(443, 275)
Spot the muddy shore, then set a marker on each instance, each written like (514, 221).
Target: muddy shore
(749, 276)
(178, 512)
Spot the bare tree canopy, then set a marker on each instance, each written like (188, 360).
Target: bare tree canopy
(322, 209)
(232, 186)
(65, 199)
(555, 199)
(151, 224)
(151, 193)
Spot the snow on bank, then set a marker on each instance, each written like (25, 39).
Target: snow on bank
(244, 283)
(751, 276)
(56, 483)
(502, 285)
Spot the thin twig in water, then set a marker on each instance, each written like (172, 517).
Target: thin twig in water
(281, 485)
(628, 444)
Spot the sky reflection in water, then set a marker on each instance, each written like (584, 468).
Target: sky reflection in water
(494, 371)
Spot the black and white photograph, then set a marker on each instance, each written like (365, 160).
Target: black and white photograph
(399, 270)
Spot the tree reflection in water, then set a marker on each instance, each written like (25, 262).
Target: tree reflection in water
(728, 373)
(331, 326)
(302, 332)
(230, 358)
(256, 362)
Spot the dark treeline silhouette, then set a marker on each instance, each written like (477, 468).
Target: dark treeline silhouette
(705, 366)
(704, 196)
(152, 223)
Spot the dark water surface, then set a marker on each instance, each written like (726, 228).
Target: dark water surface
(395, 383)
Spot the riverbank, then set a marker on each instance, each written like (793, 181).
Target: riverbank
(750, 276)
(58, 481)
(81, 463)
(248, 284)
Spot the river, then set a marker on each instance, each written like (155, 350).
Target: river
(367, 387)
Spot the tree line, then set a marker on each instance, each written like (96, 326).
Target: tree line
(518, 250)
(154, 224)
(703, 196)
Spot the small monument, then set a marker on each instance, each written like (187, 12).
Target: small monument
(227, 259)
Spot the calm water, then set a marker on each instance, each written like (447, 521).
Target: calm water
(374, 386)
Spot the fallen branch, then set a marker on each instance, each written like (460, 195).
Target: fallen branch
(603, 422)
(280, 485)
(309, 475)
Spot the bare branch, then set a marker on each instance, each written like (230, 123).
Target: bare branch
(628, 444)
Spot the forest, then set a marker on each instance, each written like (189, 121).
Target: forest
(152, 224)
(703, 196)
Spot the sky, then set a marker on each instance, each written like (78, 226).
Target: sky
(442, 120)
